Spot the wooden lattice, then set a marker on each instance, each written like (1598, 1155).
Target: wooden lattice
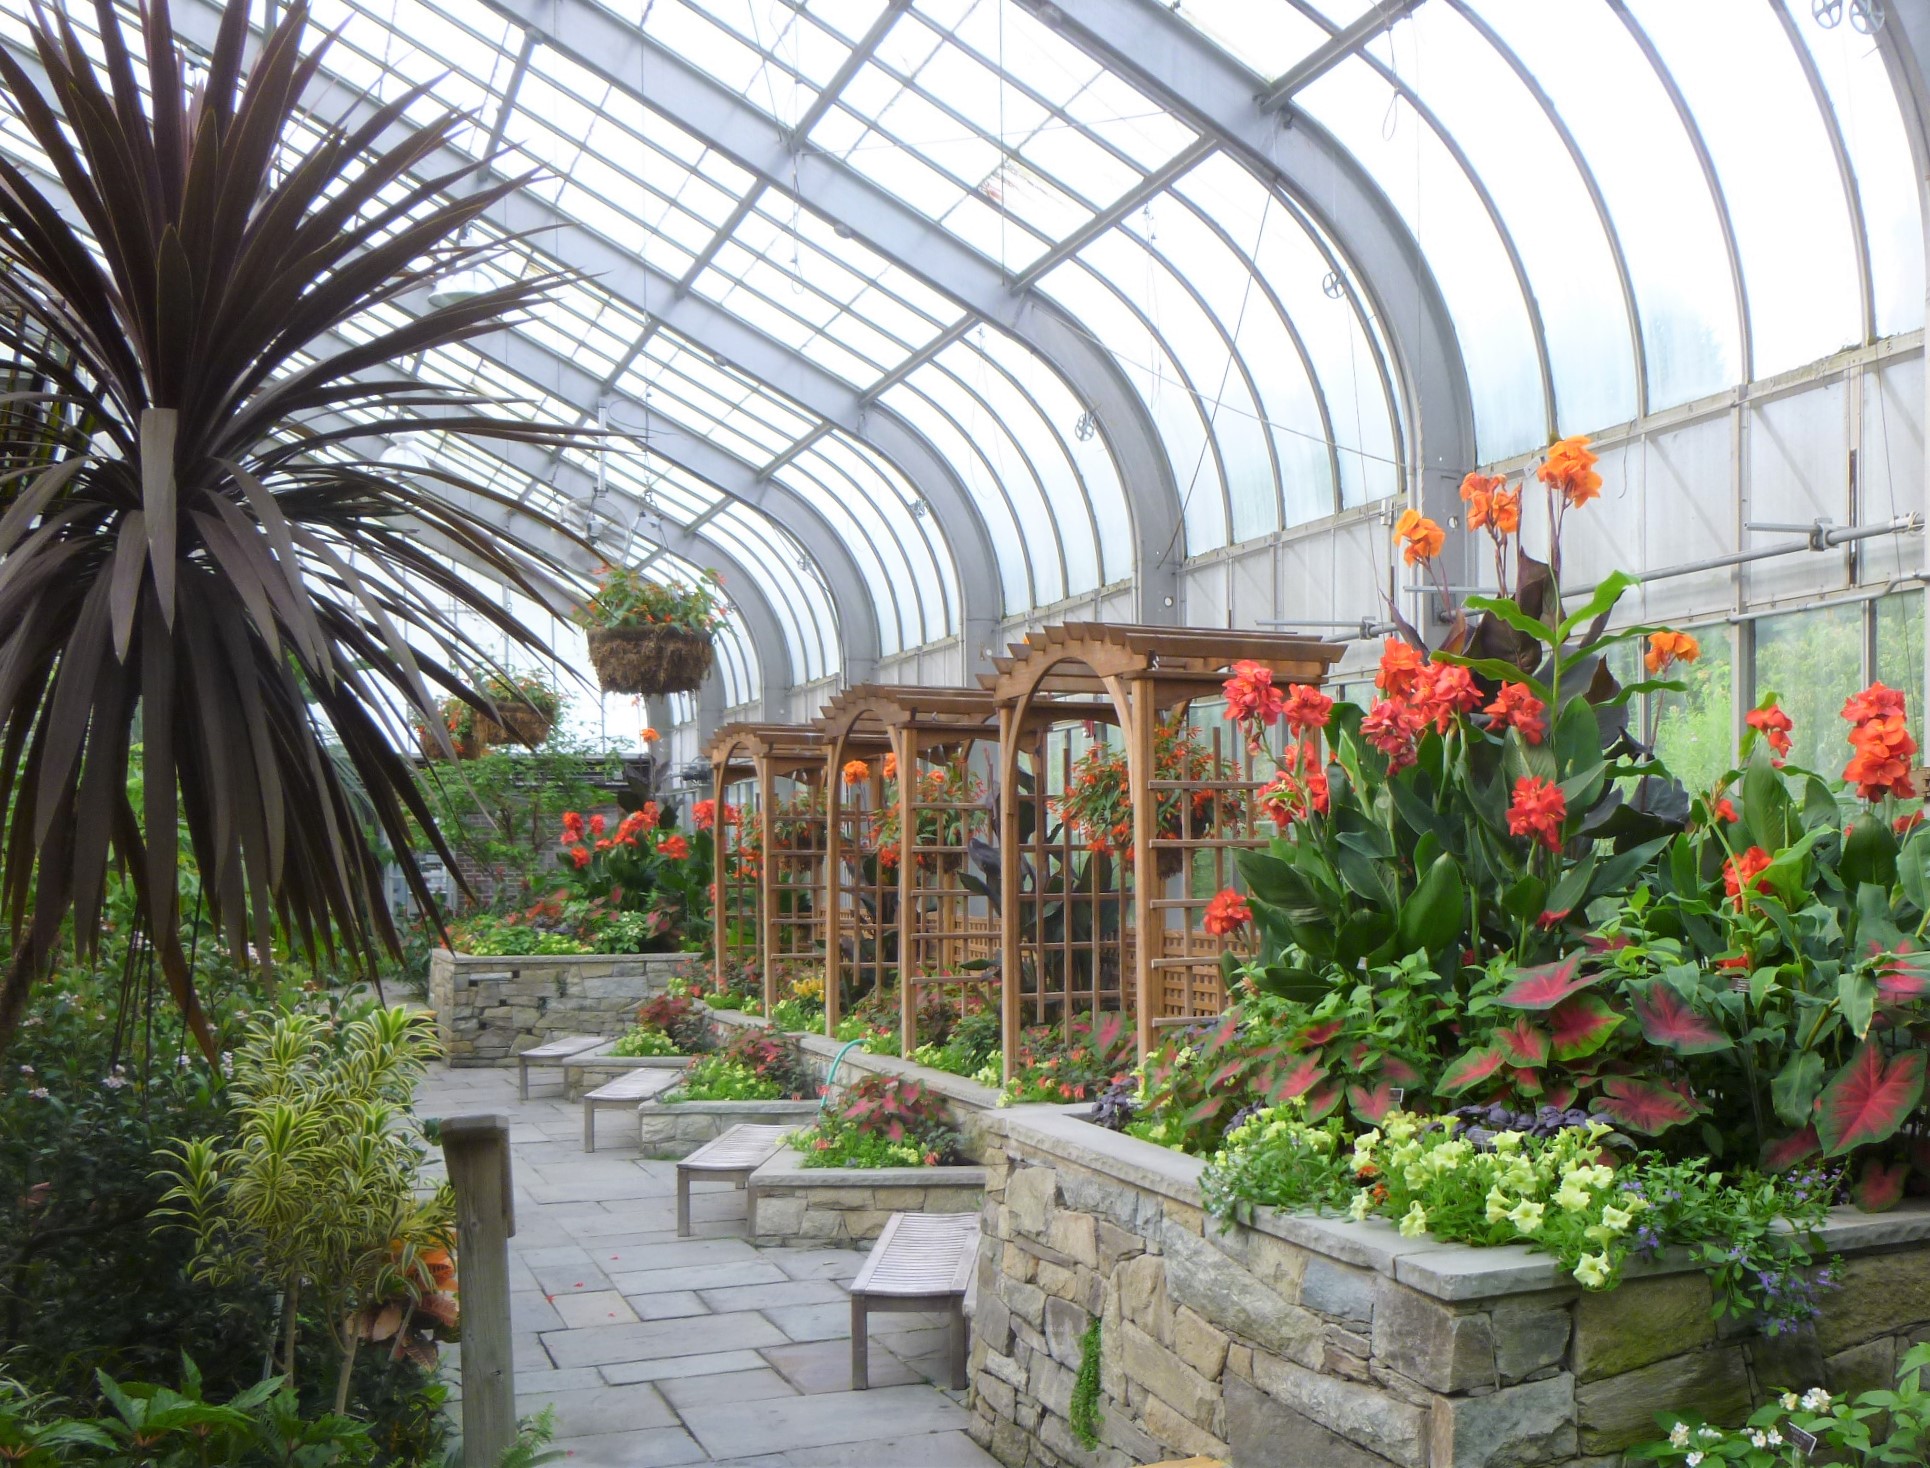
(771, 864)
(1079, 901)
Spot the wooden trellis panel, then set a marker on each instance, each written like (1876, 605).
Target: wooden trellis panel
(777, 889)
(1076, 923)
(861, 893)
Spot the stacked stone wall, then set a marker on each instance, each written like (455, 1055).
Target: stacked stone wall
(487, 1009)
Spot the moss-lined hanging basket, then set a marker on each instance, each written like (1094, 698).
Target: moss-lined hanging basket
(650, 660)
(468, 746)
(521, 725)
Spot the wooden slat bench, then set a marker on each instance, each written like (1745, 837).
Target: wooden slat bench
(624, 1090)
(735, 1155)
(922, 1261)
(551, 1052)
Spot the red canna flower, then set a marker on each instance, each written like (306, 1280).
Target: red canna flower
(1724, 810)
(1904, 824)
(1745, 873)
(597, 823)
(1226, 913)
(1774, 725)
(1537, 811)
(580, 856)
(572, 826)
(1446, 689)
(673, 846)
(1514, 707)
(1392, 727)
(1881, 764)
(703, 815)
(1874, 702)
(1251, 696)
(1307, 708)
(856, 772)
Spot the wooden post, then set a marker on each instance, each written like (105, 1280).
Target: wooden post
(766, 888)
(909, 747)
(1135, 702)
(831, 887)
(1011, 854)
(477, 1151)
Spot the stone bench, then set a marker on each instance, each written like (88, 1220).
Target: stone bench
(921, 1262)
(627, 1089)
(735, 1155)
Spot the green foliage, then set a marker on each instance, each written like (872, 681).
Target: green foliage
(488, 935)
(156, 1426)
(317, 1190)
(677, 1016)
(1886, 1425)
(972, 1042)
(797, 1016)
(627, 597)
(1071, 1062)
(719, 1078)
(838, 1143)
(640, 1042)
(1083, 1415)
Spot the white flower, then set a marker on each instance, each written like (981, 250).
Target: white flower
(1816, 1400)
(1615, 1219)
(1709, 1434)
(39, 1093)
(1789, 1401)
(1362, 1205)
(114, 1082)
(26, 1070)
(1679, 1435)
(1506, 1144)
(1592, 1270)
(1415, 1223)
(1571, 1197)
(1526, 1216)
(1693, 1458)
(1497, 1205)
(1775, 1438)
(1758, 1438)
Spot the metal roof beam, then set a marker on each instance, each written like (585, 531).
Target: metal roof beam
(1174, 64)
(620, 53)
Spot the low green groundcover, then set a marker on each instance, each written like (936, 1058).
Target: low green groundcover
(883, 1121)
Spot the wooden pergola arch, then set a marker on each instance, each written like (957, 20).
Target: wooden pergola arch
(770, 911)
(915, 917)
(1099, 673)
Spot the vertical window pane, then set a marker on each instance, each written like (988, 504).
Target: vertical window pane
(1694, 732)
(1899, 650)
(1812, 662)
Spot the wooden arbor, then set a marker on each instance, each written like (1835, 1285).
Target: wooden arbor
(771, 866)
(1083, 926)
(907, 896)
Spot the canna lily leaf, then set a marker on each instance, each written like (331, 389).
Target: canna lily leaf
(1525, 1043)
(1548, 985)
(1869, 1098)
(1472, 1069)
(1582, 1026)
(1669, 1022)
(1793, 1091)
(1648, 1107)
(1785, 1154)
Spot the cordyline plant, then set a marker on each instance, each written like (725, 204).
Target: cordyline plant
(1486, 890)
(191, 538)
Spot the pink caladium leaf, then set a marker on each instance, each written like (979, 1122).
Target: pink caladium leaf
(1879, 1187)
(1648, 1107)
(1582, 1025)
(1321, 1100)
(1472, 1069)
(1669, 1022)
(1868, 1099)
(1320, 1034)
(1782, 1155)
(1398, 1072)
(1903, 978)
(1371, 1105)
(1561, 1095)
(1296, 1080)
(1548, 985)
(1525, 1042)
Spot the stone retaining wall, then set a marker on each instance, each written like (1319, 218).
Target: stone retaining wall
(1304, 1341)
(489, 1008)
(678, 1128)
(791, 1204)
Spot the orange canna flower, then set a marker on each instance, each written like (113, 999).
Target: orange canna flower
(1881, 764)
(856, 772)
(1514, 707)
(891, 766)
(673, 846)
(1874, 702)
(1537, 811)
(1570, 468)
(1671, 647)
(1392, 727)
(1447, 689)
(1400, 668)
(1774, 725)
(1744, 873)
(703, 815)
(1226, 913)
(648, 735)
(1477, 493)
(1504, 512)
(1307, 708)
(1421, 538)
(580, 856)
(1251, 696)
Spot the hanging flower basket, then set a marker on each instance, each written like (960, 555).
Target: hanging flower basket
(650, 660)
(525, 726)
(529, 707)
(468, 746)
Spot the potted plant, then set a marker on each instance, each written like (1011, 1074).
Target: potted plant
(462, 724)
(651, 637)
(527, 704)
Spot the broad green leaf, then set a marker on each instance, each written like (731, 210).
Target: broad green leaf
(1856, 996)
(1433, 916)
(1869, 852)
(1503, 609)
(1606, 594)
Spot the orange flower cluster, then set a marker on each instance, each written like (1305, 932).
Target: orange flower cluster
(673, 846)
(1251, 696)
(649, 735)
(1514, 707)
(703, 815)
(1400, 668)
(856, 772)
(1226, 913)
(1774, 725)
(1421, 539)
(1444, 690)
(1744, 873)
(1666, 648)
(1306, 708)
(1392, 726)
(1491, 506)
(1570, 470)
(1300, 789)
(1537, 811)
(891, 766)
(1880, 735)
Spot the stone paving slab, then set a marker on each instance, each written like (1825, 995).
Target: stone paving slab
(660, 1350)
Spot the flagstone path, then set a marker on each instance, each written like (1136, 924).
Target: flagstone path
(656, 1350)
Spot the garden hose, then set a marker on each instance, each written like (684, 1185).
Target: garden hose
(831, 1076)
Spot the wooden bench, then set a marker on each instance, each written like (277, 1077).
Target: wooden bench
(624, 1090)
(922, 1261)
(735, 1155)
(551, 1052)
